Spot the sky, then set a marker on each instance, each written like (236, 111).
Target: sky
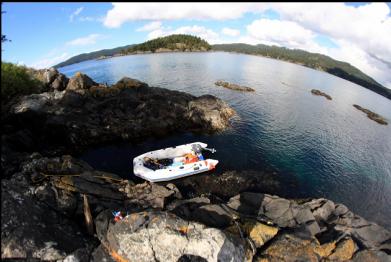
(44, 34)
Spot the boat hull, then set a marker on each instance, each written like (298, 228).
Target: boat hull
(172, 172)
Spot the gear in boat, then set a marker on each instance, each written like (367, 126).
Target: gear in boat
(173, 162)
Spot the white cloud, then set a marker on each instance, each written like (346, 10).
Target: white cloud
(362, 32)
(124, 12)
(230, 31)
(150, 26)
(88, 40)
(48, 62)
(207, 34)
(368, 26)
(283, 33)
(75, 13)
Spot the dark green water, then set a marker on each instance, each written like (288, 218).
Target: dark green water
(330, 148)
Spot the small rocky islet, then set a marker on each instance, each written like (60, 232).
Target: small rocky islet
(371, 115)
(320, 93)
(47, 193)
(234, 86)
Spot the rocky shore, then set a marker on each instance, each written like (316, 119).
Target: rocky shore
(234, 86)
(43, 212)
(75, 114)
(56, 207)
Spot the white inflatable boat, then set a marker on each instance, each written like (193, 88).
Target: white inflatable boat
(173, 162)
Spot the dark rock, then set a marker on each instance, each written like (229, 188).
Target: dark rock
(370, 236)
(372, 256)
(246, 203)
(30, 229)
(191, 258)
(59, 83)
(102, 222)
(149, 195)
(193, 201)
(127, 82)
(212, 215)
(100, 255)
(230, 183)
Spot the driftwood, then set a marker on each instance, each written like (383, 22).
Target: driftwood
(88, 216)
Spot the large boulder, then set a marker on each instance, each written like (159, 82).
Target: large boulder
(80, 81)
(50, 78)
(160, 236)
(211, 112)
(287, 247)
(127, 82)
(149, 195)
(230, 183)
(318, 217)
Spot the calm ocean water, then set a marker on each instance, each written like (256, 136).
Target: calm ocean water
(330, 148)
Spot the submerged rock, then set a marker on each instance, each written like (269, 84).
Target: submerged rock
(234, 86)
(373, 116)
(320, 93)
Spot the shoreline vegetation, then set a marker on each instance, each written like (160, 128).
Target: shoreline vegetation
(188, 43)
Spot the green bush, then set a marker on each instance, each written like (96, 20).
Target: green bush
(15, 81)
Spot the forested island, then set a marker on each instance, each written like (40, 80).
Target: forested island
(188, 43)
(178, 42)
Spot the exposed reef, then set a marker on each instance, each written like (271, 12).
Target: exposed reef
(371, 115)
(320, 93)
(234, 86)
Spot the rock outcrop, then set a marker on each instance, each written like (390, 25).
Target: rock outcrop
(372, 115)
(80, 81)
(51, 78)
(234, 86)
(87, 114)
(320, 93)
(43, 218)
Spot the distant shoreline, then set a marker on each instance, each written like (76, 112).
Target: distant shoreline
(235, 52)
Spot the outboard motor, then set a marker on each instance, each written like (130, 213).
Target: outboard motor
(197, 150)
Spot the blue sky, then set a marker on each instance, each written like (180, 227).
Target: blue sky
(44, 34)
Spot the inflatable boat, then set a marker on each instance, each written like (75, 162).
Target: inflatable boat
(173, 162)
